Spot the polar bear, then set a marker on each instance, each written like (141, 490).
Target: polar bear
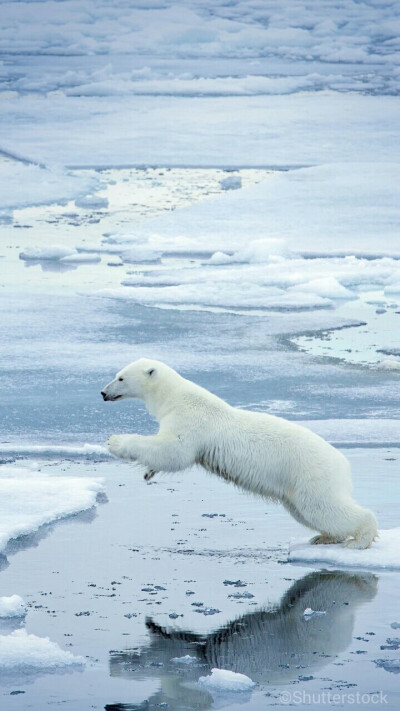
(266, 455)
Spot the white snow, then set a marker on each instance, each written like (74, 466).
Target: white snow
(383, 554)
(27, 652)
(223, 680)
(12, 606)
(29, 499)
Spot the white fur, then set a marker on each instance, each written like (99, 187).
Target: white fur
(261, 453)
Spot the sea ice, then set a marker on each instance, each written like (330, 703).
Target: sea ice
(92, 202)
(24, 183)
(81, 258)
(30, 499)
(52, 450)
(389, 665)
(141, 255)
(389, 363)
(53, 252)
(384, 553)
(232, 182)
(12, 606)
(29, 653)
(223, 680)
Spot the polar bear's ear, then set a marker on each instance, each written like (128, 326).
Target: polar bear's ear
(151, 372)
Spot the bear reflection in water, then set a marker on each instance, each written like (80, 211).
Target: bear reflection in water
(275, 645)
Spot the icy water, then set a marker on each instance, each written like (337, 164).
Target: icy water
(185, 565)
(363, 345)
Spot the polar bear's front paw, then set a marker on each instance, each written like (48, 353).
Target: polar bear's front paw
(117, 446)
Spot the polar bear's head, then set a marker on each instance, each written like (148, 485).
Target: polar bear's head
(137, 380)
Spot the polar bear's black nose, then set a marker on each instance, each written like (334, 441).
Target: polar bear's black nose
(104, 395)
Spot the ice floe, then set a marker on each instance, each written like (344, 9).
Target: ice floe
(224, 680)
(30, 499)
(29, 653)
(53, 252)
(24, 183)
(12, 606)
(384, 553)
(52, 450)
(81, 258)
(59, 253)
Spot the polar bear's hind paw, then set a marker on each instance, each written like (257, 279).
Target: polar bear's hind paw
(325, 539)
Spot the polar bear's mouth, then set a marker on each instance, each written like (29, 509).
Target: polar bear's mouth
(116, 397)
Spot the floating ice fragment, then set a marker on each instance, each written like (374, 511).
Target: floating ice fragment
(141, 255)
(208, 611)
(256, 252)
(309, 612)
(29, 500)
(93, 202)
(327, 287)
(389, 665)
(392, 289)
(232, 182)
(81, 258)
(391, 643)
(12, 606)
(235, 583)
(54, 252)
(389, 363)
(20, 650)
(395, 625)
(187, 659)
(241, 596)
(222, 680)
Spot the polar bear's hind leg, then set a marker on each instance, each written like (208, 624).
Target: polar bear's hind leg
(343, 520)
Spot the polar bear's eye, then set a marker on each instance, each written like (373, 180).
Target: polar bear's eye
(120, 380)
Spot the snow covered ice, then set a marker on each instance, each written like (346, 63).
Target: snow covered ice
(223, 680)
(383, 554)
(217, 186)
(45, 499)
(27, 652)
